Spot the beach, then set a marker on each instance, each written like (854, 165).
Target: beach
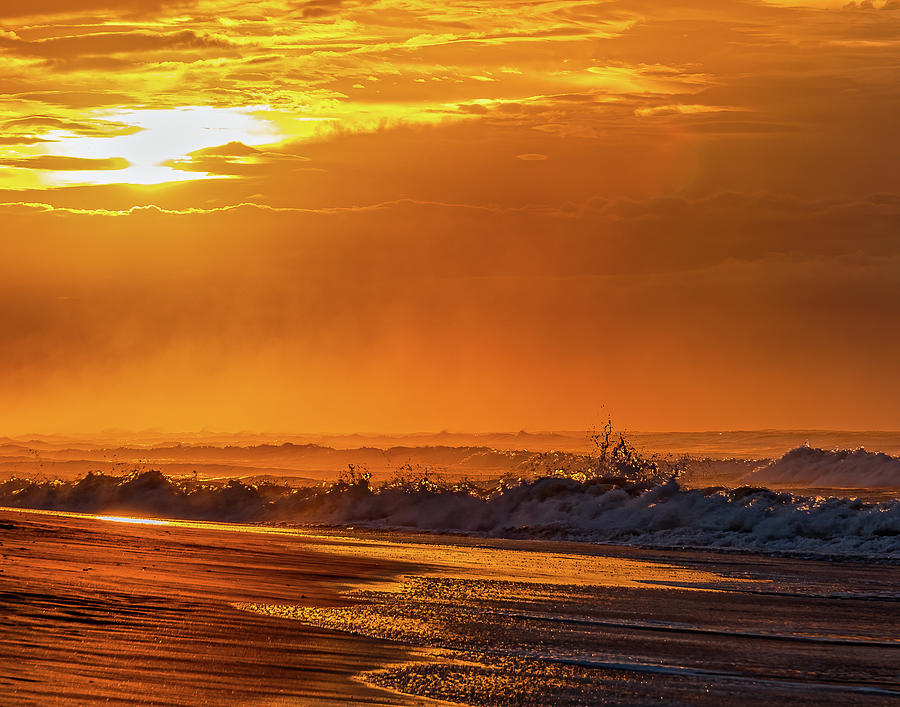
(173, 612)
(100, 611)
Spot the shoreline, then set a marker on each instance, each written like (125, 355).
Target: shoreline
(143, 611)
(328, 532)
(132, 613)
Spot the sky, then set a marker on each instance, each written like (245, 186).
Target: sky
(398, 215)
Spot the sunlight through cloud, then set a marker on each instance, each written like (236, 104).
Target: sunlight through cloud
(163, 135)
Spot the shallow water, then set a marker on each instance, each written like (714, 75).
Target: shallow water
(506, 624)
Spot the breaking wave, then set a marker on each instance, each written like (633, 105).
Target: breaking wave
(601, 508)
(841, 468)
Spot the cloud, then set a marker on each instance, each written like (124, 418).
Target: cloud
(721, 195)
(92, 128)
(66, 164)
(106, 43)
(76, 99)
(231, 149)
(325, 8)
(619, 73)
(21, 139)
(30, 8)
(238, 159)
(652, 235)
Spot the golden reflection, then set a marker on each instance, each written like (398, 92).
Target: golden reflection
(135, 521)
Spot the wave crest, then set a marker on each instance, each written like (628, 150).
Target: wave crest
(840, 468)
(601, 508)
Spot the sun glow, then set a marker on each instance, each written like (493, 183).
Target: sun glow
(160, 137)
(136, 521)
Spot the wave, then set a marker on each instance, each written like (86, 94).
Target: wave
(841, 468)
(650, 511)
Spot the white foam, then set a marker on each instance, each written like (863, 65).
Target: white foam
(842, 468)
(662, 515)
(616, 510)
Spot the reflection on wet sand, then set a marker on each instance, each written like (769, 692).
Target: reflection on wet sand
(185, 612)
(131, 613)
(137, 521)
(511, 624)
(494, 642)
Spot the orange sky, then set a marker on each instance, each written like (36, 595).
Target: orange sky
(352, 215)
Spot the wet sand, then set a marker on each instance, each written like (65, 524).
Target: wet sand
(120, 613)
(190, 613)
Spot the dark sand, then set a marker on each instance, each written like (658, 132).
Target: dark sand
(93, 611)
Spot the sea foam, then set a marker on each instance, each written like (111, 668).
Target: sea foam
(841, 468)
(603, 508)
